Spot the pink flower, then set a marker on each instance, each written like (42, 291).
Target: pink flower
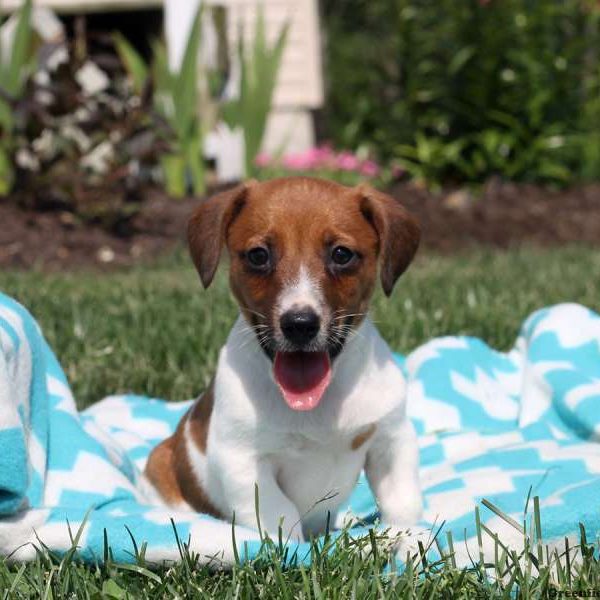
(313, 158)
(262, 159)
(323, 156)
(369, 168)
(298, 162)
(346, 161)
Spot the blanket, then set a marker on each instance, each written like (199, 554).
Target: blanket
(492, 425)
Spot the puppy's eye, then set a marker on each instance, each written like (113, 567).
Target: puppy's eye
(342, 256)
(258, 258)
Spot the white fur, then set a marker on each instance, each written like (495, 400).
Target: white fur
(298, 458)
(302, 291)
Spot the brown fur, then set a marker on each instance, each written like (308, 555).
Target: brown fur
(363, 436)
(300, 217)
(398, 232)
(169, 467)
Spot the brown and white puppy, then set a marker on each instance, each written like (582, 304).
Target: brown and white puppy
(306, 392)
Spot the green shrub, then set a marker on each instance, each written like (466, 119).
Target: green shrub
(466, 90)
(15, 68)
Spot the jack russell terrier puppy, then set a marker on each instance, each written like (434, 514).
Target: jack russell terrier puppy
(306, 392)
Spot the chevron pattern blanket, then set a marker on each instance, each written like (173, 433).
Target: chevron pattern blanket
(492, 425)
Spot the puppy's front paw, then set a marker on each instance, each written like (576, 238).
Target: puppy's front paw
(403, 511)
(399, 519)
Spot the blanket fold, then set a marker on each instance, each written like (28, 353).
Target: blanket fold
(491, 425)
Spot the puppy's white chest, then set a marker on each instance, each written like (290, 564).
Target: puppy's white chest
(310, 472)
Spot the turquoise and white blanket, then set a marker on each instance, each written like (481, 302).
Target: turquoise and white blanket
(492, 425)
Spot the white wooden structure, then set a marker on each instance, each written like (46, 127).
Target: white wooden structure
(299, 88)
(300, 83)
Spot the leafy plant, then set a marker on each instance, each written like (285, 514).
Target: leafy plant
(468, 90)
(93, 156)
(429, 157)
(14, 72)
(176, 100)
(134, 64)
(258, 74)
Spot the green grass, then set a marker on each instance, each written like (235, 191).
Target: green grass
(154, 331)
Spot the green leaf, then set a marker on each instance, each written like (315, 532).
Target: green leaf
(161, 74)
(19, 64)
(7, 175)
(195, 163)
(134, 64)
(6, 118)
(185, 92)
(554, 171)
(460, 59)
(231, 113)
(173, 166)
(259, 68)
(163, 82)
(111, 589)
(176, 98)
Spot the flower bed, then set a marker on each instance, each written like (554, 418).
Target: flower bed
(323, 161)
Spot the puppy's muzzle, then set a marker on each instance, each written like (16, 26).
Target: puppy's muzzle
(300, 326)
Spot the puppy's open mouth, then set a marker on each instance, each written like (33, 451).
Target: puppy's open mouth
(302, 377)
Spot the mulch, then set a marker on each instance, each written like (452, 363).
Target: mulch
(504, 215)
(500, 215)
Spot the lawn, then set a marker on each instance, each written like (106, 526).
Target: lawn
(153, 330)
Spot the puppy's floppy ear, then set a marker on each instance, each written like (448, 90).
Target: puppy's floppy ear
(398, 232)
(207, 228)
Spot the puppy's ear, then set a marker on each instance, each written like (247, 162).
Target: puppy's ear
(207, 228)
(398, 232)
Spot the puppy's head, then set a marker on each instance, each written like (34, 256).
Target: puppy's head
(304, 257)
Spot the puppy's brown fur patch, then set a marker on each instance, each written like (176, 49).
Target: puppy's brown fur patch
(363, 436)
(299, 219)
(169, 468)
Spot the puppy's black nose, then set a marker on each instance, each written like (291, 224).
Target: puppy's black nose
(300, 326)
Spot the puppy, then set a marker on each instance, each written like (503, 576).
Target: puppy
(306, 392)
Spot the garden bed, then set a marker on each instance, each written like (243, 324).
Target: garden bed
(502, 215)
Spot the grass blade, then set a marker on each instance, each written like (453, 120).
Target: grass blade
(507, 518)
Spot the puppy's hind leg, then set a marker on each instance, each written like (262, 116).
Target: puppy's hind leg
(161, 473)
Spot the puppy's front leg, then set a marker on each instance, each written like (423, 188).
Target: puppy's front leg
(239, 476)
(392, 468)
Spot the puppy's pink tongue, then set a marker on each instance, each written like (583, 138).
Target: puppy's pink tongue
(302, 377)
